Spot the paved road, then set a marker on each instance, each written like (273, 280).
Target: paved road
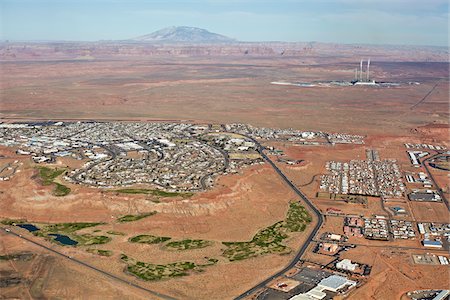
(129, 283)
(426, 96)
(395, 247)
(434, 181)
(302, 250)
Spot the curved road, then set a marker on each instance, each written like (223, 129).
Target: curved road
(438, 188)
(302, 250)
(158, 295)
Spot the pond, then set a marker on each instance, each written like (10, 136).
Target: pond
(64, 239)
(29, 227)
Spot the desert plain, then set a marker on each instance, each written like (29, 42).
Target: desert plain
(224, 85)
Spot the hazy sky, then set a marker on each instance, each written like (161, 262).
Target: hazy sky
(420, 22)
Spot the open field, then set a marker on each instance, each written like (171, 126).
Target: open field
(209, 89)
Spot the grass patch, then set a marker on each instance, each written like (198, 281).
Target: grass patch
(89, 239)
(270, 239)
(63, 228)
(131, 218)
(61, 190)
(149, 239)
(210, 262)
(48, 175)
(188, 244)
(112, 232)
(297, 218)
(69, 229)
(100, 252)
(12, 221)
(157, 193)
(267, 240)
(153, 272)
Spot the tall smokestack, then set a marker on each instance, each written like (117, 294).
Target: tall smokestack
(360, 68)
(368, 68)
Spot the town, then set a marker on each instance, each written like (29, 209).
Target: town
(171, 156)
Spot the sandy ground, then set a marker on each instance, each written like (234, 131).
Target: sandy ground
(394, 273)
(220, 90)
(226, 90)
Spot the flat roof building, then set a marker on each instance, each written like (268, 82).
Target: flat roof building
(346, 264)
(442, 295)
(333, 283)
(432, 244)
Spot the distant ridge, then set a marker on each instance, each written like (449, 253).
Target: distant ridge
(184, 34)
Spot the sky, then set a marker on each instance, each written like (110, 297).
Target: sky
(405, 22)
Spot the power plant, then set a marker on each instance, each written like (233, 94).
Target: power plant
(363, 77)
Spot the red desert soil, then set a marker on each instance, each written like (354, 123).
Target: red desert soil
(136, 85)
(235, 210)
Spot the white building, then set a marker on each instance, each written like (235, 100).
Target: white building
(332, 283)
(346, 264)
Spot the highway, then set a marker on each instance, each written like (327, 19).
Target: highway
(114, 277)
(313, 233)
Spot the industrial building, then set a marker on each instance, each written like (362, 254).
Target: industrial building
(333, 283)
(432, 244)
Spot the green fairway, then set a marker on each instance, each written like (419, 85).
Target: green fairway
(48, 175)
(131, 218)
(149, 239)
(270, 239)
(188, 244)
(153, 272)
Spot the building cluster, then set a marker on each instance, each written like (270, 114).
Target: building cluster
(435, 235)
(353, 226)
(335, 283)
(309, 282)
(376, 228)
(425, 146)
(363, 177)
(430, 259)
(429, 295)
(328, 248)
(333, 237)
(330, 244)
(401, 229)
(172, 156)
(416, 156)
(340, 138)
(424, 195)
(421, 178)
(293, 135)
(182, 167)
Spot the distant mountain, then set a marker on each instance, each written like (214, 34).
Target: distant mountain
(178, 34)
